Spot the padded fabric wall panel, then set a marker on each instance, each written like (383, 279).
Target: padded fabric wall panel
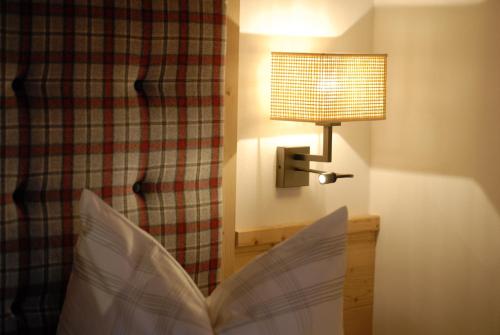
(125, 100)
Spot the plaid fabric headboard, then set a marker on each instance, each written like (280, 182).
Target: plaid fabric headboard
(123, 98)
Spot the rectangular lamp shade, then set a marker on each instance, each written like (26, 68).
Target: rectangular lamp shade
(328, 88)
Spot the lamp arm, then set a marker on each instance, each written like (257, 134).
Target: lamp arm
(327, 147)
(343, 175)
(310, 170)
(328, 177)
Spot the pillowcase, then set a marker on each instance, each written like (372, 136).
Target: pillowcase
(124, 282)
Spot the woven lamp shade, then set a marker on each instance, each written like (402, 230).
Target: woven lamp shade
(328, 88)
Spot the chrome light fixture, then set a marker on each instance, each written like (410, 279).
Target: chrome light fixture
(326, 89)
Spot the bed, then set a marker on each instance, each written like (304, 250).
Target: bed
(125, 100)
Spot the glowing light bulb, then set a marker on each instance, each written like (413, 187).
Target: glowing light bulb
(327, 85)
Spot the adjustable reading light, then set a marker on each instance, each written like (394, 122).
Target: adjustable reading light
(326, 89)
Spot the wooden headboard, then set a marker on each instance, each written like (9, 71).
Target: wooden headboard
(358, 288)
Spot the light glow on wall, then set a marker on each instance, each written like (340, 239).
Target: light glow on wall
(319, 18)
(320, 26)
(296, 20)
(421, 3)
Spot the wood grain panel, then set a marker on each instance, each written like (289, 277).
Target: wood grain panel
(230, 135)
(358, 288)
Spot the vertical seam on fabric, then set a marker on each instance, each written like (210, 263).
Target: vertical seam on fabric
(68, 141)
(108, 100)
(24, 140)
(199, 148)
(144, 109)
(126, 83)
(181, 132)
(163, 139)
(46, 163)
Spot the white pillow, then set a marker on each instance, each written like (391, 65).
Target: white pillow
(125, 282)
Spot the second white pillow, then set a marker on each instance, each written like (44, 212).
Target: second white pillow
(293, 289)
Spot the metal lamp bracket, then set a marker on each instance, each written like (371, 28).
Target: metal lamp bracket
(289, 172)
(292, 163)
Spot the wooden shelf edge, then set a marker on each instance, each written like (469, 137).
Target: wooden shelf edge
(274, 235)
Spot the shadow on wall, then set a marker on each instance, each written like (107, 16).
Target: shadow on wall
(435, 169)
(444, 92)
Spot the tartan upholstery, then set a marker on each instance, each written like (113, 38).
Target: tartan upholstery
(123, 98)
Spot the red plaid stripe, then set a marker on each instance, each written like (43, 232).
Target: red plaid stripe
(106, 97)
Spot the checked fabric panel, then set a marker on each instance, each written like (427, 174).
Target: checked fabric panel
(123, 98)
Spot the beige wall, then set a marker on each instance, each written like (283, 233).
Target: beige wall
(325, 26)
(435, 177)
(431, 170)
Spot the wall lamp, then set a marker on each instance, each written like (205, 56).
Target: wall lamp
(326, 89)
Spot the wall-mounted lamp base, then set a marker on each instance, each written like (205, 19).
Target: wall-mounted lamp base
(292, 164)
(287, 174)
